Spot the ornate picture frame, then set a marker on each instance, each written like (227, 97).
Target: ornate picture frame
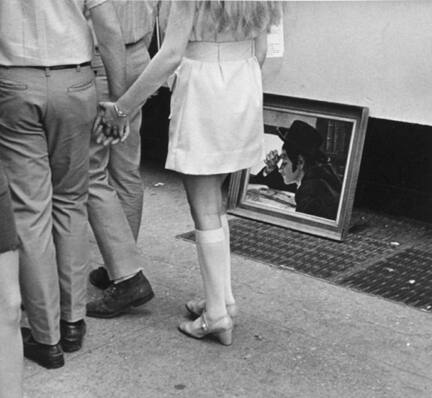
(313, 151)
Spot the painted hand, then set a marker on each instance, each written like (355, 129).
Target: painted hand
(271, 161)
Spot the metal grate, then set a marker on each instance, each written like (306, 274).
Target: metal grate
(382, 256)
(406, 277)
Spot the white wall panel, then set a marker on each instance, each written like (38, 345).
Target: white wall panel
(372, 53)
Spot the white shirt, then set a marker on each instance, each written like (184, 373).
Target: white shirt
(136, 19)
(45, 32)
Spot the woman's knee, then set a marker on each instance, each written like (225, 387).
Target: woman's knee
(205, 200)
(205, 220)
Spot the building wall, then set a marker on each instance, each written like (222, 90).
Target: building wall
(370, 53)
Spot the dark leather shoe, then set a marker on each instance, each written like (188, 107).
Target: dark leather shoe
(99, 278)
(72, 335)
(120, 297)
(48, 356)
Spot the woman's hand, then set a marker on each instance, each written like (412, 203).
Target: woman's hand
(110, 126)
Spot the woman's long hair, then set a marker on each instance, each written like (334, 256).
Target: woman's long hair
(243, 16)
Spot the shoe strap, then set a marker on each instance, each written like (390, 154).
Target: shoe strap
(204, 321)
(204, 324)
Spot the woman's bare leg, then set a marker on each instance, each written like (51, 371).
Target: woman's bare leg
(205, 199)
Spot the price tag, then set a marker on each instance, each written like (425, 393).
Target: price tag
(275, 42)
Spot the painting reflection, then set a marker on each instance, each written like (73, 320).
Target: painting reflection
(303, 167)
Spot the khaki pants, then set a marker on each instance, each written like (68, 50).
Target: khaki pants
(45, 122)
(116, 190)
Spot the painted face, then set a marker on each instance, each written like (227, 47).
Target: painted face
(286, 170)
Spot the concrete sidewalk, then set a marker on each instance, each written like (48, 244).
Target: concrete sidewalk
(296, 336)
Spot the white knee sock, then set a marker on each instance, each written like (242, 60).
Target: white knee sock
(211, 257)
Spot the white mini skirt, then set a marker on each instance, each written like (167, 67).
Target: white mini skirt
(216, 121)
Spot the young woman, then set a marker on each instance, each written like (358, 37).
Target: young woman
(216, 49)
(11, 351)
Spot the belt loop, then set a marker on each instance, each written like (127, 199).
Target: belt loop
(78, 68)
(47, 72)
(219, 60)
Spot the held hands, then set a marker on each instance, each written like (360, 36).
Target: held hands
(110, 126)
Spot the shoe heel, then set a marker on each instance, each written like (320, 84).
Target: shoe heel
(70, 347)
(225, 337)
(51, 363)
(57, 363)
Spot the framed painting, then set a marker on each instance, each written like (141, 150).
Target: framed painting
(307, 177)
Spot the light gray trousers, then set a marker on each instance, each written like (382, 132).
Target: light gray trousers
(116, 189)
(45, 122)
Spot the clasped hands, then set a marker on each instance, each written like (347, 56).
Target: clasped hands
(109, 127)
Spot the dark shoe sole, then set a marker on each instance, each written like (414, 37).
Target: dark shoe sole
(70, 347)
(53, 363)
(123, 310)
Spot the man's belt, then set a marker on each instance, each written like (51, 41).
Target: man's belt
(54, 67)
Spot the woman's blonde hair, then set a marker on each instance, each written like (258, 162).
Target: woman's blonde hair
(243, 16)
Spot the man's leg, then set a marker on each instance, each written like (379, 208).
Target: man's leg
(106, 215)
(125, 160)
(116, 243)
(71, 111)
(115, 181)
(23, 150)
(115, 208)
(125, 177)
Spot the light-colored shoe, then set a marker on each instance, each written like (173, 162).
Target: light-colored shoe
(197, 307)
(220, 328)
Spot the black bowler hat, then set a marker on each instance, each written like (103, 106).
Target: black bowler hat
(303, 138)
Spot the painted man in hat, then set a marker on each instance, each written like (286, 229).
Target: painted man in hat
(302, 162)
